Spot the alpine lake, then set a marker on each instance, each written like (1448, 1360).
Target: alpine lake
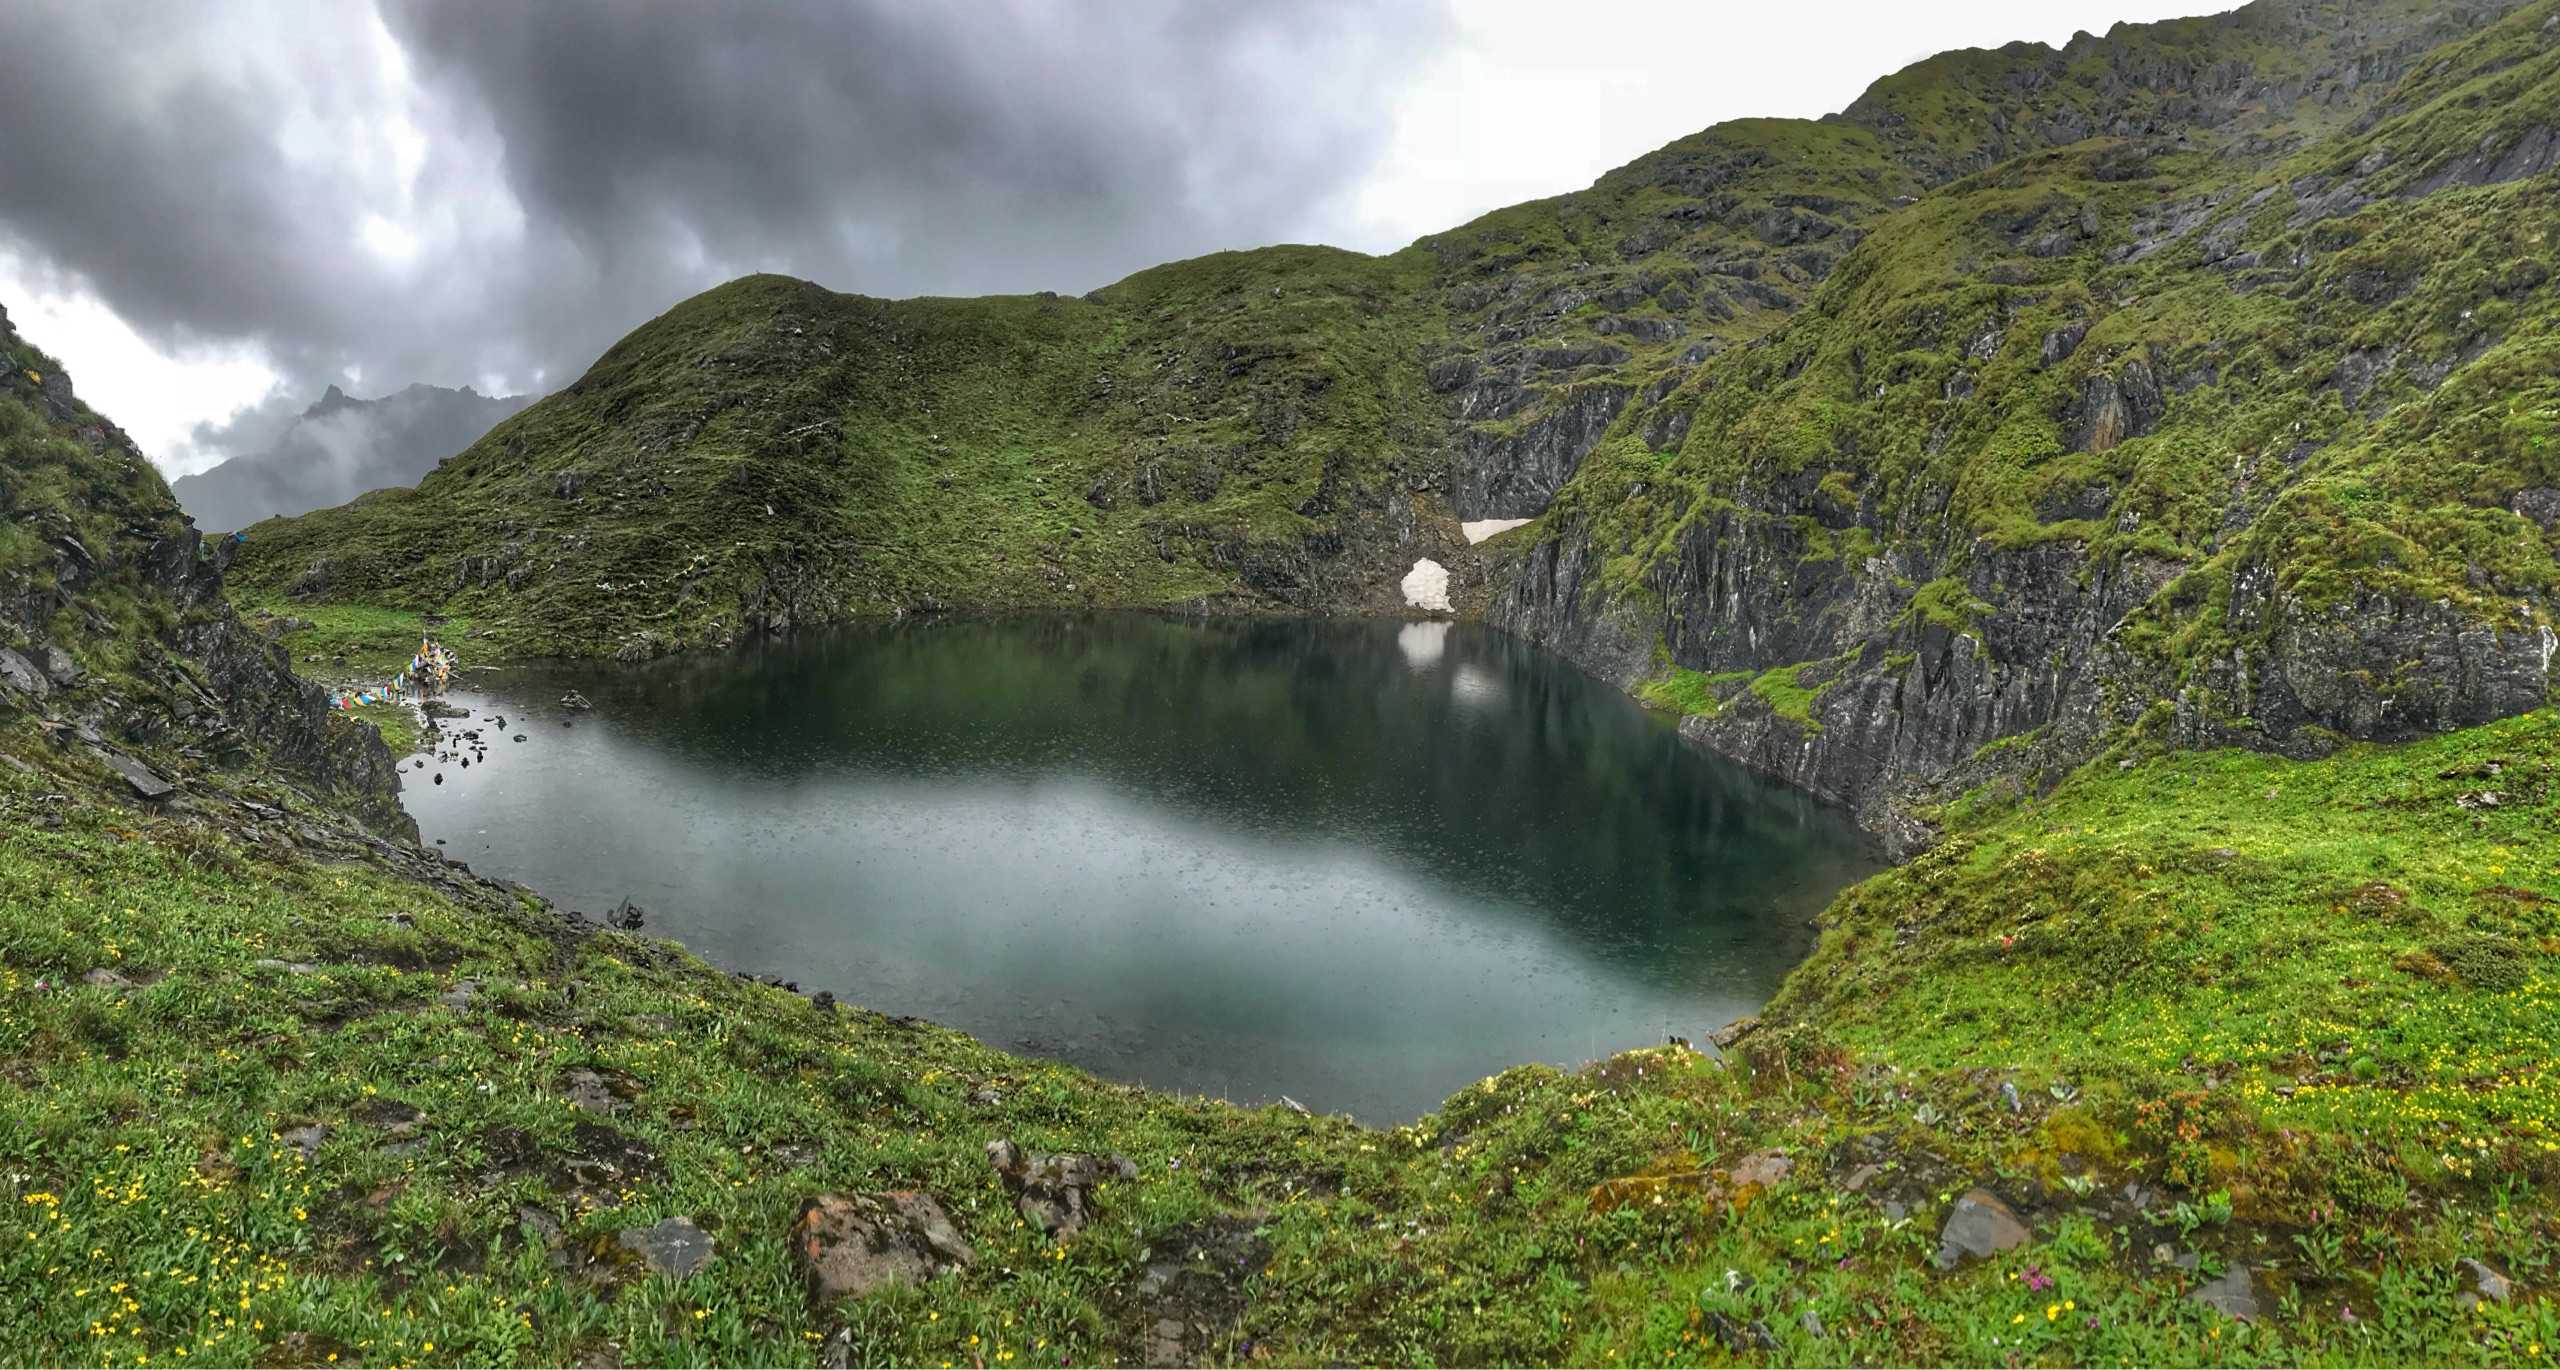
(1358, 864)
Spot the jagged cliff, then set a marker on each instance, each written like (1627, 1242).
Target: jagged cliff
(2236, 438)
(115, 634)
(2188, 382)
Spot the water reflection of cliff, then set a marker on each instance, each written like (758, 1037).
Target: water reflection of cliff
(1451, 747)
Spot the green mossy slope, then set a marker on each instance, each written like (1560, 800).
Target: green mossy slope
(458, 1208)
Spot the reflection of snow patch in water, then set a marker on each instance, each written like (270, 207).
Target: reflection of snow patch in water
(1426, 586)
(1477, 530)
(1422, 643)
(1474, 685)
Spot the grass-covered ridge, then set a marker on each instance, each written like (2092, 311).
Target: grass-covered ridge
(771, 453)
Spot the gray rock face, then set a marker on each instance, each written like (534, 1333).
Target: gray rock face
(2499, 157)
(1980, 1225)
(675, 1247)
(846, 1247)
(2540, 503)
(2487, 1285)
(21, 676)
(144, 781)
(1515, 475)
(1906, 702)
(59, 668)
(2234, 1294)
(2114, 408)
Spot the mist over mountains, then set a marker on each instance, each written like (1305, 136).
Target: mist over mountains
(341, 447)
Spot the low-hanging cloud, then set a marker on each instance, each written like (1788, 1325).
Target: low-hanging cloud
(464, 193)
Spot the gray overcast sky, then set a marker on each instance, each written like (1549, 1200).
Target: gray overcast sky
(212, 211)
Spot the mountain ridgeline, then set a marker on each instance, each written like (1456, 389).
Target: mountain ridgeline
(2194, 384)
(339, 448)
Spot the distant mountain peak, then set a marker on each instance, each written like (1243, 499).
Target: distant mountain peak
(341, 447)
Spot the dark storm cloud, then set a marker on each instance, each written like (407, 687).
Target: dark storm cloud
(450, 192)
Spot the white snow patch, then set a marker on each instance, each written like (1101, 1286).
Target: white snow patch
(1477, 530)
(1426, 586)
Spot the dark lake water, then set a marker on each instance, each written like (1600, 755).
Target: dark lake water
(1360, 864)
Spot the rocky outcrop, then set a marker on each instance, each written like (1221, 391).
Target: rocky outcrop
(121, 562)
(1514, 474)
(1055, 1192)
(1914, 545)
(848, 1246)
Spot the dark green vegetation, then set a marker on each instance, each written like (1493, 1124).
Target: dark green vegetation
(2007, 455)
(770, 454)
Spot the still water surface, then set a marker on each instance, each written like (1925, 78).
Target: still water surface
(1360, 864)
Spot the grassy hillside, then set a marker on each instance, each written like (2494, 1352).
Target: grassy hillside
(771, 453)
(322, 1110)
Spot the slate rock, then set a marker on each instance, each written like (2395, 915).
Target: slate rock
(143, 779)
(675, 1248)
(1980, 1225)
(2234, 1294)
(2486, 1284)
(591, 1091)
(846, 1247)
(59, 668)
(107, 980)
(460, 996)
(306, 1140)
(20, 675)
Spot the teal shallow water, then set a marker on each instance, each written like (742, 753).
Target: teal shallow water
(1361, 864)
